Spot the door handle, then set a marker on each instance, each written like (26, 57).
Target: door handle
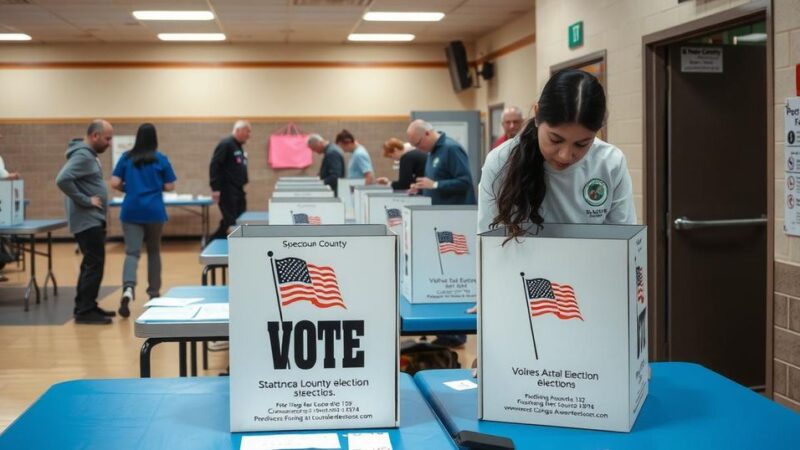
(682, 223)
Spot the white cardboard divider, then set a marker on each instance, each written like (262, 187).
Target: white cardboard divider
(306, 211)
(562, 326)
(313, 328)
(439, 262)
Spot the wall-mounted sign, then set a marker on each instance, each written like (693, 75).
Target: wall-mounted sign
(575, 34)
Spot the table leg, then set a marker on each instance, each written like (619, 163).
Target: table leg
(224, 276)
(144, 357)
(205, 355)
(204, 278)
(214, 276)
(32, 284)
(50, 275)
(206, 225)
(182, 358)
(194, 357)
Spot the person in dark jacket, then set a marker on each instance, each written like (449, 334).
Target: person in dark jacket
(81, 180)
(412, 163)
(332, 167)
(228, 176)
(447, 179)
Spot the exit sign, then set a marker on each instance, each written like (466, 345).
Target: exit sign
(575, 34)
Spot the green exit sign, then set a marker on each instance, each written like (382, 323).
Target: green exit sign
(575, 34)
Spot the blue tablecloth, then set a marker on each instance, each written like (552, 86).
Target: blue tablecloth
(216, 252)
(689, 407)
(436, 318)
(174, 414)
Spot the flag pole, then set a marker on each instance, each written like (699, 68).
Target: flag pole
(438, 249)
(275, 284)
(277, 293)
(529, 313)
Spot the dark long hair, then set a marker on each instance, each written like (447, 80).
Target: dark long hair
(144, 150)
(570, 96)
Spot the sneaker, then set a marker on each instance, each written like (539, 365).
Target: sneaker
(105, 312)
(127, 297)
(217, 346)
(92, 318)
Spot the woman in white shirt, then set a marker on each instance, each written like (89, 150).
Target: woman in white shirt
(556, 170)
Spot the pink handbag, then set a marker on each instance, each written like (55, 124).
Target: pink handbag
(287, 149)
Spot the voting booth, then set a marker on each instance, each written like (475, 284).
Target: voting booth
(12, 202)
(438, 263)
(387, 208)
(299, 178)
(359, 199)
(344, 190)
(299, 191)
(562, 326)
(306, 211)
(313, 327)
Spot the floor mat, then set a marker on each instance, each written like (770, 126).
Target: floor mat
(53, 311)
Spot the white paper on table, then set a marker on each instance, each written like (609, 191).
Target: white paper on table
(204, 197)
(213, 311)
(169, 195)
(461, 385)
(172, 301)
(184, 197)
(369, 441)
(118, 198)
(169, 314)
(290, 441)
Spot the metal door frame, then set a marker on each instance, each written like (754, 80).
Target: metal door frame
(654, 55)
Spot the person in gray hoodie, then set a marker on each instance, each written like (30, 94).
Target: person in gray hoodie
(81, 180)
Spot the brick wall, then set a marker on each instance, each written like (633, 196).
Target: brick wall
(37, 152)
(786, 329)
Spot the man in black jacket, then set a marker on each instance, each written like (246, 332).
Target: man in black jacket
(228, 175)
(332, 167)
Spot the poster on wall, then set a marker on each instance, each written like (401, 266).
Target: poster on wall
(119, 145)
(458, 131)
(791, 166)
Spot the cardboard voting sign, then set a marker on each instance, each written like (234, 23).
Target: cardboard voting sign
(300, 191)
(359, 199)
(438, 263)
(12, 202)
(313, 329)
(306, 211)
(562, 326)
(387, 208)
(299, 178)
(344, 190)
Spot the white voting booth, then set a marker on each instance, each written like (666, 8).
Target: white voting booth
(313, 329)
(562, 326)
(287, 184)
(344, 190)
(302, 191)
(12, 202)
(359, 199)
(299, 178)
(306, 211)
(438, 263)
(386, 208)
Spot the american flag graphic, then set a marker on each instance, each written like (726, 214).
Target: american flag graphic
(545, 297)
(393, 217)
(301, 281)
(639, 285)
(450, 242)
(305, 219)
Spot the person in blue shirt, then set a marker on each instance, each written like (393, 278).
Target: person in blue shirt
(447, 179)
(360, 165)
(142, 173)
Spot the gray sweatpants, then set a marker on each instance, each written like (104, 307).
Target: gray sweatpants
(135, 234)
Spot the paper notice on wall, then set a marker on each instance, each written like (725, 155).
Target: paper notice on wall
(458, 131)
(119, 145)
(791, 166)
(701, 59)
